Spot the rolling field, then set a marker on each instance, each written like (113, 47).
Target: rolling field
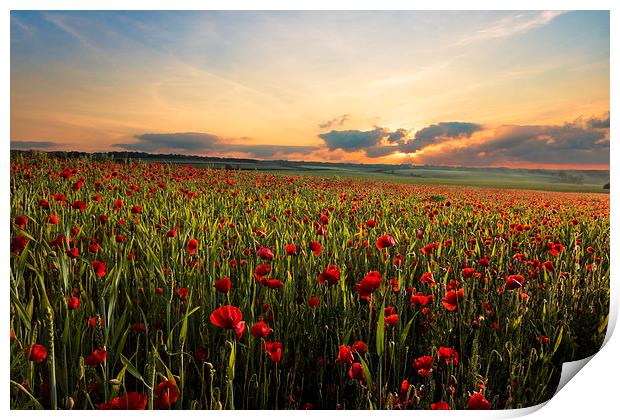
(153, 286)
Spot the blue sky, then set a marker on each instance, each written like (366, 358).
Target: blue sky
(253, 84)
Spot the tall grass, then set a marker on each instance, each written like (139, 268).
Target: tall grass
(510, 343)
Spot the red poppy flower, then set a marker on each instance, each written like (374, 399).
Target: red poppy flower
(429, 249)
(73, 253)
(94, 321)
(468, 272)
(271, 283)
(423, 365)
(73, 303)
(59, 241)
(290, 250)
(191, 246)
(79, 205)
(229, 317)
(182, 293)
(419, 299)
(99, 267)
(274, 350)
(36, 353)
(315, 247)
(19, 244)
(369, 284)
(345, 355)
(21, 221)
(313, 302)
(542, 339)
(360, 347)
(118, 204)
(371, 223)
(128, 401)
(331, 275)
(171, 233)
(554, 249)
(138, 327)
(356, 372)
(404, 388)
(385, 241)
(201, 353)
(222, 285)
(514, 282)
(96, 358)
(52, 220)
(94, 248)
(260, 330)
(450, 301)
(428, 278)
(548, 265)
(440, 405)
(478, 402)
(136, 210)
(391, 320)
(262, 270)
(448, 355)
(265, 254)
(166, 393)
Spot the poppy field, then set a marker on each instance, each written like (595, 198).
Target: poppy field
(152, 286)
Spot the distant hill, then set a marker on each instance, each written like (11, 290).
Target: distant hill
(500, 177)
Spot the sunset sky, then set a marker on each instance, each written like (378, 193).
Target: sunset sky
(474, 88)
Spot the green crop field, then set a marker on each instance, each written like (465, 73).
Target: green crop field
(146, 285)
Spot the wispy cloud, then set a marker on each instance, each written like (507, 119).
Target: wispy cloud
(61, 23)
(511, 25)
(337, 121)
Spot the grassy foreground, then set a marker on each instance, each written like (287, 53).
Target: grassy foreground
(169, 287)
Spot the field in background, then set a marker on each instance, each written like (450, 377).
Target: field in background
(544, 180)
(532, 179)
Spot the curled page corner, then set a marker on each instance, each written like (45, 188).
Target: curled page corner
(569, 370)
(518, 412)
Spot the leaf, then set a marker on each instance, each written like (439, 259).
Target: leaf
(559, 339)
(231, 362)
(369, 382)
(183, 323)
(381, 331)
(405, 332)
(133, 371)
(32, 398)
(603, 324)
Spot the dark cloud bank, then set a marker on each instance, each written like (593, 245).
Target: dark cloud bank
(578, 142)
(35, 145)
(568, 144)
(382, 142)
(205, 143)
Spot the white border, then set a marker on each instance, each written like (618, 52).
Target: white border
(591, 393)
